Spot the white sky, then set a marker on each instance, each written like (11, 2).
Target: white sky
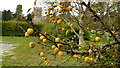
(12, 4)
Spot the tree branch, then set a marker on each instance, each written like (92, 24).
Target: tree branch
(20, 27)
(95, 15)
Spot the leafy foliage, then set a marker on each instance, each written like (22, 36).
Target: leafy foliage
(6, 15)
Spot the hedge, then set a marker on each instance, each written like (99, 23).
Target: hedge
(10, 28)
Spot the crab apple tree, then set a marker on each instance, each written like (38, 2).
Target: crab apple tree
(83, 30)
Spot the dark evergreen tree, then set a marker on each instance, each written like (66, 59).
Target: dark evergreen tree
(4, 15)
(18, 13)
(29, 17)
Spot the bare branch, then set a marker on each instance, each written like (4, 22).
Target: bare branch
(20, 27)
(110, 43)
(71, 27)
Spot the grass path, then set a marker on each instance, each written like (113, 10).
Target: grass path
(26, 56)
(6, 49)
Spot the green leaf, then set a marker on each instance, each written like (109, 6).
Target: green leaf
(79, 45)
(32, 15)
(98, 33)
(81, 34)
(29, 10)
(83, 48)
(67, 32)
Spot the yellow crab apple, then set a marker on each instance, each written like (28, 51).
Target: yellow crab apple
(71, 24)
(46, 61)
(113, 32)
(53, 13)
(51, 16)
(59, 21)
(55, 21)
(90, 51)
(57, 39)
(45, 33)
(75, 56)
(91, 46)
(61, 14)
(91, 60)
(74, 36)
(60, 53)
(91, 36)
(61, 6)
(60, 9)
(42, 37)
(62, 29)
(91, 14)
(26, 34)
(42, 54)
(44, 58)
(68, 9)
(44, 40)
(71, 31)
(50, 8)
(82, 16)
(59, 45)
(56, 49)
(53, 46)
(47, 64)
(114, 3)
(30, 31)
(86, 59)
(97, 39)
(55, 5)
(59, 2)
(32, 44)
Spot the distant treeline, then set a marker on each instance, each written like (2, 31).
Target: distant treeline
(7, 15)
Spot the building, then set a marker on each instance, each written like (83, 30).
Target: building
(37, 14)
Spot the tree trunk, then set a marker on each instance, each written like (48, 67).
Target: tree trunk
(81, 39)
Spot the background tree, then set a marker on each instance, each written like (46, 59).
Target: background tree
(4, 15)
(18, 13)
(7, 15)
(29, 17)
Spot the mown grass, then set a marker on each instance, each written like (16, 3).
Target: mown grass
(26, 56)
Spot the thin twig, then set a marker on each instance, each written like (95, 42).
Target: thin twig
(20, 27)
(71, 27)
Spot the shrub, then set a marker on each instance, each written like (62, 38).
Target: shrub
(10, 28)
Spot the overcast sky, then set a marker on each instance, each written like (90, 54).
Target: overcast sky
(11, 5)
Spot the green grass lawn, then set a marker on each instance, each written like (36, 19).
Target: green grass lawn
(26, 56)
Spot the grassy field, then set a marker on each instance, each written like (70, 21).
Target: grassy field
(26, 56)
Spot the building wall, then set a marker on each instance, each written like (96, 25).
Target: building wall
(37, 14)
